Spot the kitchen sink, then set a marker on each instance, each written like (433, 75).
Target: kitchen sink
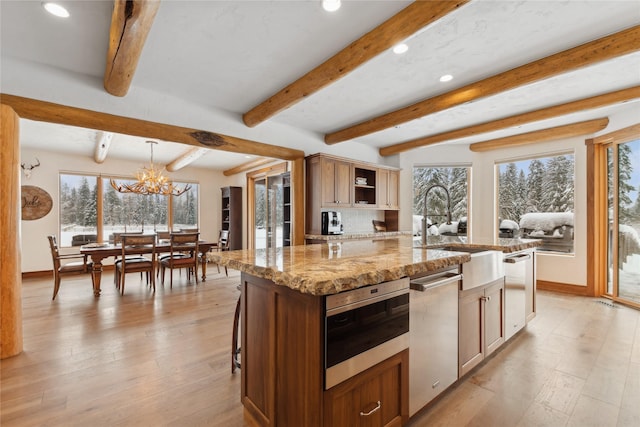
(485, 265)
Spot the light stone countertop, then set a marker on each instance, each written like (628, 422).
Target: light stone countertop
(329, 268)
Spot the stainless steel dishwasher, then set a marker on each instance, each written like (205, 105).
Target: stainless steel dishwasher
(519, 290)
(433, 336)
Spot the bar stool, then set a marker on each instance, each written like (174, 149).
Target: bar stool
(235, 347)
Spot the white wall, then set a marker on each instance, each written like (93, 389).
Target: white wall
(35, 247)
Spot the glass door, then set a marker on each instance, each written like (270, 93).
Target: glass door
(623, 194)
(268, 212)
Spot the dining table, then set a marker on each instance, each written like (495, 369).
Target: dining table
(99, 251)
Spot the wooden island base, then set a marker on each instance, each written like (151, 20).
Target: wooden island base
(283, 373)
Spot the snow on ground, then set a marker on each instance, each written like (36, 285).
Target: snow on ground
(546, 221)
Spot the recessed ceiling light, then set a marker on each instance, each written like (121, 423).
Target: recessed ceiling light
(400, 48)
(248, 157)
(446, 78)
(55, 9)
(331, 5)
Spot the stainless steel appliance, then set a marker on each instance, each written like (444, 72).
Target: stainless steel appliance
(518, 290)
(332, 223)
(433, 337)
(364, 327)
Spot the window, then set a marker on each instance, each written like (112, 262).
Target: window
(78, 210)
(535, 200)
(456, 181)
(121, 212)
(185, 207)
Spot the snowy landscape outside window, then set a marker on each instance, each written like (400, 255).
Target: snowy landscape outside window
(78, 210)
(456, 181)
(121, 212)
(536, 200)
(185, 207)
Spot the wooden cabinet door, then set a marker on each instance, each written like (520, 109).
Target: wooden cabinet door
(328, 185)
(344, 184)
(336, 183)
(382, 183)
(493, 316)
(470, 330)
(394, 190)
(374, 398)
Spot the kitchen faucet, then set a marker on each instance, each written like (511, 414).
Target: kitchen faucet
(424, 211)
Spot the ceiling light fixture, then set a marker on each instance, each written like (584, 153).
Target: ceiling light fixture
(56, 9)
(331, 5)
(446, 78)
(150, 181)
(400, 48)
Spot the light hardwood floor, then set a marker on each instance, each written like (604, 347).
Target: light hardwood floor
(145, 360)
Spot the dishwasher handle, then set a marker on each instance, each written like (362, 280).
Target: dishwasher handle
(517, 258)
(424, 284)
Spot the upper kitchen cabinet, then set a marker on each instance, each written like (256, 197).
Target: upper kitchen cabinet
(335, 178)
(336, 182)
(388, 184)
(364, 187)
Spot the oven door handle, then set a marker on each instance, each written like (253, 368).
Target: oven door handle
(368, 301)
(422, 286)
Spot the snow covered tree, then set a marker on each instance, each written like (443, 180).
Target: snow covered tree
(558, 185)
(534, 186)
(453, 179)
(625, 169)
(508, 193)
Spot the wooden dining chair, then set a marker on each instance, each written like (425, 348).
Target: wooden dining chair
(180, 244)
(131, 261)
(68, 268)
(117, 240)
(165, 235)
(223, 245)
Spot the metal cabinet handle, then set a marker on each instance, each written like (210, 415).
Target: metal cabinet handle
(485, 298)
(517, 258)
(366, 414)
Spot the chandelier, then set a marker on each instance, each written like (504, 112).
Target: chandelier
(150, 180)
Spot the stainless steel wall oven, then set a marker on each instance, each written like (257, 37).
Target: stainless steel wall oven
(363, 327)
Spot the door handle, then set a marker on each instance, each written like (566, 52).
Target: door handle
(366, 414)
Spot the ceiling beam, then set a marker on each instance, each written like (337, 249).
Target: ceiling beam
(131, 21)
(393, 31)
(103, 142)
(620, 136)
(598, 101)
(248, 166)
(186, 158)
(612, 46)
(559, 132)
(43, 111)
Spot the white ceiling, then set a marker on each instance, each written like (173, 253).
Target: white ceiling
(231, 55)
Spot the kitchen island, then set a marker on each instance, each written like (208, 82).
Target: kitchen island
(283, 328)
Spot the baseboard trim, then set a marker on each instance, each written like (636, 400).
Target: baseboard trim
(37, 274)
(564, 288)
(49, 273)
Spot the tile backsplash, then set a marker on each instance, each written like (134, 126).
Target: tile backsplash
(359, 220)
